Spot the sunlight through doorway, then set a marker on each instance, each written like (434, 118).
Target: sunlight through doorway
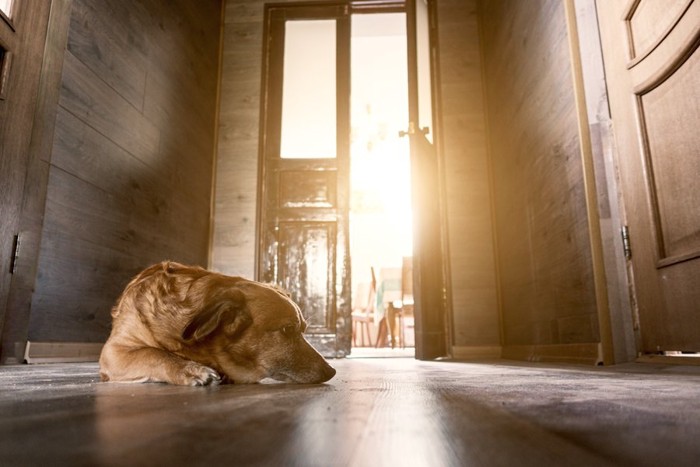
(380, 201)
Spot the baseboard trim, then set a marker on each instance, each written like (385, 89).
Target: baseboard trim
(62, 352)
(588, 354)
(670, 359)
(476, 352)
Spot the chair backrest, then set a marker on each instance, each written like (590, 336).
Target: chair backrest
(362, 292)
(365, 293)
(389, 285)
(371, 296)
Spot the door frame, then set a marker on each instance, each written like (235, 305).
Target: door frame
(363, 7)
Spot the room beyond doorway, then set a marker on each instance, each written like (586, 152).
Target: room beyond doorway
(381, 240)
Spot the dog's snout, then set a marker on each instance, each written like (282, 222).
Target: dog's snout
(327, 373)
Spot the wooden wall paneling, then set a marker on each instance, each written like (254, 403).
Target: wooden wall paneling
(131, 181)
(113, 45)
(88, 97)
(102, 230)
(184, 135)
(545, 261)
(94, 186)
(179, 95)
(234, 236)
(463, 144)
(78, 285)
(30, 218)
(179, 100)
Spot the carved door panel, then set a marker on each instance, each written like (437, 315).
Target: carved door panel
(653, 73)
(303, 221)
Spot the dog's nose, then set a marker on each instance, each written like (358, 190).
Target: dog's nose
(327, 373)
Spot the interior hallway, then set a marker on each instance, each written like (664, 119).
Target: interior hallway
(376, 411)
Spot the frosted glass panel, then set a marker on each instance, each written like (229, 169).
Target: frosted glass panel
(308, 92)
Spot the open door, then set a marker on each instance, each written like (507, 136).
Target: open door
(653, 72)
(23, 27)
(303, 218)
(428, 268)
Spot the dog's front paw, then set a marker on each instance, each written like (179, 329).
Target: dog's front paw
(195, 374)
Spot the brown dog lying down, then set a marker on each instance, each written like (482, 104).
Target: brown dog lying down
(185, 325)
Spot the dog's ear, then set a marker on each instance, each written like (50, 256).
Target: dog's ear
(228, 312)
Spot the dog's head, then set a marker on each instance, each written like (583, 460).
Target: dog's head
(249, 331)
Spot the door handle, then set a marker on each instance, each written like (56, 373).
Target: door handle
(412, 130)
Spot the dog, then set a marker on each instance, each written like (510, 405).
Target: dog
(188, 326)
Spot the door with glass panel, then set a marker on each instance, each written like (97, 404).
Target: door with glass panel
(305, 167)
(303, 219)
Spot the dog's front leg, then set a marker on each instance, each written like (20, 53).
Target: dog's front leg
(147, 364)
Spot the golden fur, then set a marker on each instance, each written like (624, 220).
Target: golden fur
(185, 325)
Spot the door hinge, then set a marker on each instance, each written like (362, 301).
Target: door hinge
(15, 253)
(625, 232)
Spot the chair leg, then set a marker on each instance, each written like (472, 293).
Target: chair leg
(361, 328)
(369, 336)
(381, 335)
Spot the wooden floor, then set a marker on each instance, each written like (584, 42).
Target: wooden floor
(375, 412)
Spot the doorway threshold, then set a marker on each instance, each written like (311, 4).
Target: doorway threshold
(671, 358)
(371, 352)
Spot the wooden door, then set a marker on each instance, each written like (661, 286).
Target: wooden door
(303, 218)
(22, 35)
(428, 268)
(653, 72)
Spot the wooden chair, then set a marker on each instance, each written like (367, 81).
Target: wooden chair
(398, 315)
(363, 311)
(405, 313)
(388, 301)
